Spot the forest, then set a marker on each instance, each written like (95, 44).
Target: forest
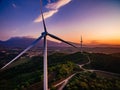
(29, 73)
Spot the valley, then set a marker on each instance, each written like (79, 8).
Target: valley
(27, 73)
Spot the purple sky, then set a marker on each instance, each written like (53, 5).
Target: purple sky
(98, 21)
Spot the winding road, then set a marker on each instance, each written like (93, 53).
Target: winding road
(94, 70)
(64, 82)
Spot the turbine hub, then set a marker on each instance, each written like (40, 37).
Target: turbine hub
(44, 33)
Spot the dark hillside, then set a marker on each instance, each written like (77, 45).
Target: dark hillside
(61, 65)
(105, 62)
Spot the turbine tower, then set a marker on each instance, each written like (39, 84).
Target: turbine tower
(81, 41)
(43, 35)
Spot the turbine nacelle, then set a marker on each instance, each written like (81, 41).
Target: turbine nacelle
(44, 33)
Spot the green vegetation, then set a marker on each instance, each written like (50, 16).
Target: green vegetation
(91, 81)
(63, 70)
(30, 72)
(60, 66)
(115, 54)
(4, 58)
(104, 62)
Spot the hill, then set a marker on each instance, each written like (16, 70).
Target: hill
(28, 74)
(115, 54)
(92, 81)
(23, 42)
(105, 62)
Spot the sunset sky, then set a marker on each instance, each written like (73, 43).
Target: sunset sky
(98, 21)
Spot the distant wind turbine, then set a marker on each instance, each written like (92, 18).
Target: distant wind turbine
(43, 35)
(81, 45)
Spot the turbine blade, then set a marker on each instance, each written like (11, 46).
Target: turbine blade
(43, 20)
(23, 51)
(61, 40)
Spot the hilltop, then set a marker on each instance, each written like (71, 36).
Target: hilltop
(23, 42)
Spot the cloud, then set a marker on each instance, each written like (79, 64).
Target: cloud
(58, 4)
(53, 8)
(49, 1)
(14, 5)
(94, 42)
(46, 15)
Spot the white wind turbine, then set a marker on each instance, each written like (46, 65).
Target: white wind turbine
(43, 35)
(81, 42)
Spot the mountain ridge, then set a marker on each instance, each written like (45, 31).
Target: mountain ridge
(26, 41)
(18, 42)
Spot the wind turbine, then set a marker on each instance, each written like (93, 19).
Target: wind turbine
(81, 44)
(43, 35)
